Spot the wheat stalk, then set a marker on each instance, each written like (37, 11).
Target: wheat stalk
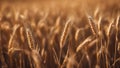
(21, 34)
(116, 38)
(118, 48)
(36, 58)
(99, 23)
(96, 11)
(110, 27)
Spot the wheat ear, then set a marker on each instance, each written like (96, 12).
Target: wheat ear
(30, 39)
(65, 33)
(12, 37)
(86, 41)
(92, 25)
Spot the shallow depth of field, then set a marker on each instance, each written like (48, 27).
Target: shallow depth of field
(60, 34)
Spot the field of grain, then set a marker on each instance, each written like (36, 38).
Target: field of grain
(60, 34)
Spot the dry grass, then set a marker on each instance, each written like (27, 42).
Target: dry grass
(57, 34)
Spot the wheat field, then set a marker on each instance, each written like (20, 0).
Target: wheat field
(59, 34)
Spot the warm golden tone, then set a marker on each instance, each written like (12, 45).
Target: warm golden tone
(60, 34)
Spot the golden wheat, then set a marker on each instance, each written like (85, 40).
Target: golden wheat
(30, 39)
(85, 42)
(39, 35)
(10, 44)
(92, 25)
(65, 33)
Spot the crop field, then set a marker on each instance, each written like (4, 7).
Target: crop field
(60, 34)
